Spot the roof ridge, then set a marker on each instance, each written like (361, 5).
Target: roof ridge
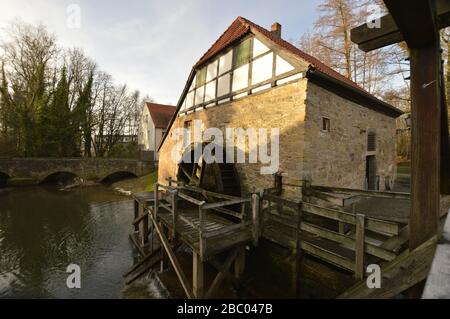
(321, 66)
(244, 23)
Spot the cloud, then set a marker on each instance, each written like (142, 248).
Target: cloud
(151, 45)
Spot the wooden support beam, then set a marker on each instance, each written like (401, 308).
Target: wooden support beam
(137, 245)
(373, 224)
(297, 253)
(425, 164)
(255, 218)
(226, 203)
(239, 263)
(144, 231)
(360, 244)
(198, 280)
(176, 265)
(416, 19)
(369, 39)
(201, 228)
(223, 272)
(174, 213)
(136, 215)
(445, 142)
(361, 192)
(140, 263)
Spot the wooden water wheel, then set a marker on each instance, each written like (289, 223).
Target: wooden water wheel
(216, 177)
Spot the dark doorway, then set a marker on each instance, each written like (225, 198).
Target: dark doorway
(371, 173)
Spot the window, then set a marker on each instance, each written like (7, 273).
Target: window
(242, 53)
(371, 142)
(325, 124)
(201, 77)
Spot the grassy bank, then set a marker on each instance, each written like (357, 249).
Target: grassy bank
(141, 184)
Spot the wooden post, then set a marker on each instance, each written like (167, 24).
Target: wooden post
(165, 243)
(152, 229)
(341, 225)
(425, 164)
(296, 253)
(278, 184)
(136, 215)
(359, 249)
(255, 218)
(162, 265)
(239, 263)
(144, 226)
(201, 226)
(306, 190)
(197, 275)
(174, 212)
(156, 200)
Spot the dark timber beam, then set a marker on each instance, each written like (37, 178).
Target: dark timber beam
(416, 20)
(419, 29)
(369, 39)
(425, 164)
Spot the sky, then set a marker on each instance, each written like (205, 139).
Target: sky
(152, 45)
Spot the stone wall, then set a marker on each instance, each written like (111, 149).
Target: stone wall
(338, 158)
(37, 169)
(281, 107)
(335, 158)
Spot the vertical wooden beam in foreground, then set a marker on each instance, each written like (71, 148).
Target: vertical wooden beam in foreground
(426, 122)
(136, 215)
(359, 249)
(198, 283)
(239, 263)
(417, 22)
(173, 259)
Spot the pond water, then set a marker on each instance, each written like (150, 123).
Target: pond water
(43, 230)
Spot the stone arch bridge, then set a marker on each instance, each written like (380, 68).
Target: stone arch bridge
(38, 170)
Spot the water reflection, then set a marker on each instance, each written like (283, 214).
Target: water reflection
(43, 230)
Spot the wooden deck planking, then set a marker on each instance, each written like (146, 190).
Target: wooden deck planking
(212, 223)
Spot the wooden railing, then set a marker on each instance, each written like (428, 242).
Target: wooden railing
(219, 205)
(311, 225)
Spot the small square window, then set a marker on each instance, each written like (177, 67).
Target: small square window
(371, 142)
(325, 124)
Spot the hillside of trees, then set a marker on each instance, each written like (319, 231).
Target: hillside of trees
(54, 100)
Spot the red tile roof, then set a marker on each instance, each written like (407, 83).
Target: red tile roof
(161, 114)
(241, 27)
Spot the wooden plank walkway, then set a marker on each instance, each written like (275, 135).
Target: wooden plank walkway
(217, 231)
(199, 219)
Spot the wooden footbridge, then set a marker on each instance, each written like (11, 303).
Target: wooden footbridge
(324, 224)
(208, 223)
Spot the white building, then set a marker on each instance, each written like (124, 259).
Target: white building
(154, 121)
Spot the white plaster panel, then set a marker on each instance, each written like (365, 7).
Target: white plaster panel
(225, 62)
(240, 78)
(262, 69)
(283, 66)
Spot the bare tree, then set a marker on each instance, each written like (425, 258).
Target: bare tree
(330, 42)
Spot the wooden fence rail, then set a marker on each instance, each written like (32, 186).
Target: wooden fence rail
(311, 235)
